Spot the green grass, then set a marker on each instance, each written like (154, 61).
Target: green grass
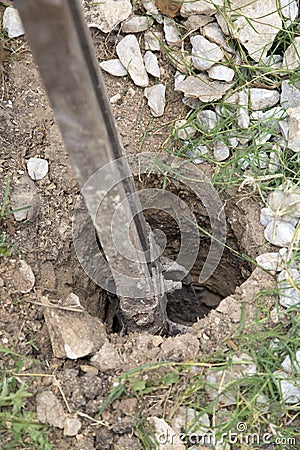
(6, 246)
(258, 403)
(251, 158)
(19, 428)
(257, 166)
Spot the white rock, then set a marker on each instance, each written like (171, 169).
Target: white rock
(150, 7)
(151, 64)
(213, 33)
(190, 419)
(285, 203)
(233, 98)
(219, 72)
(196, 21)
(73, 334)
(136, 24)
(289, 388)
(217, 382)
(202, 88)
(196, 154)
(106, 15)
(193, 103)
(294, 128)
(37, 168)
(233, 142)
(23, 279)
(255, 24)
(289, 9)
(115, 98)
(291, 366)
(243, 119)
(279, 233)
(207, 119)
(153, 40)
(207, 7)
(179, 77)
(290, 391)
(73, 301)
(261, 137)
(205, 53)
(263, 98)
(12, 23)
(275, 154)
(114, 67)
(184, 131)
(285, 130)
(221, 151)
(72, 426)
(49, 409)
(276, 201)
(172, 35)
(270, 117)
(274, 61)
(269, 261)
(156, 96)
(107, 358)
(291, 60)
(290, 95)
(129, 53)
(222, 22)
(166, 437)
(24, 199)
(288, 294)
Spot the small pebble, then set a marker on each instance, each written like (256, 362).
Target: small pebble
(114, 67)
(195, 155)
(156, 96)
(291, 366)
(205, 53)
(115, 98)
(153, 40)
(219, 72)
(207, 119)
(151, 64)
(289, 388)
(269, 261)
(266, 216)
(288, 294)
(37, 168)
(183, 131)
(279, 233)
(221, 151)
(72, 426)
(12, 23)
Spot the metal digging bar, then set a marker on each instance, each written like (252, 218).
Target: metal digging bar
(62, 48)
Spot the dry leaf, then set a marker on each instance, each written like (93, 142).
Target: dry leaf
(168, 7)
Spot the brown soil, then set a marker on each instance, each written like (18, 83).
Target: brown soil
(28, 129)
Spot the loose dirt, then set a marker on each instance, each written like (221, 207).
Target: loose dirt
(28, 129)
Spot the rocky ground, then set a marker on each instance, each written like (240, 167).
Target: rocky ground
(214, 83)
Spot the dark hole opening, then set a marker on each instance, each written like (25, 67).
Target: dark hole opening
(194, 300)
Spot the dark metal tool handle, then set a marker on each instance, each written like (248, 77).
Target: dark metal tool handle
(62, 48)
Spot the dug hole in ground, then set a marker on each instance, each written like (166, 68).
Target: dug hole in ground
(60, 339)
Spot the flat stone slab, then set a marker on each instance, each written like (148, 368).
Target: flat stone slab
(256, 24)
(73, 334)
(203, 88)
(129, 53)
